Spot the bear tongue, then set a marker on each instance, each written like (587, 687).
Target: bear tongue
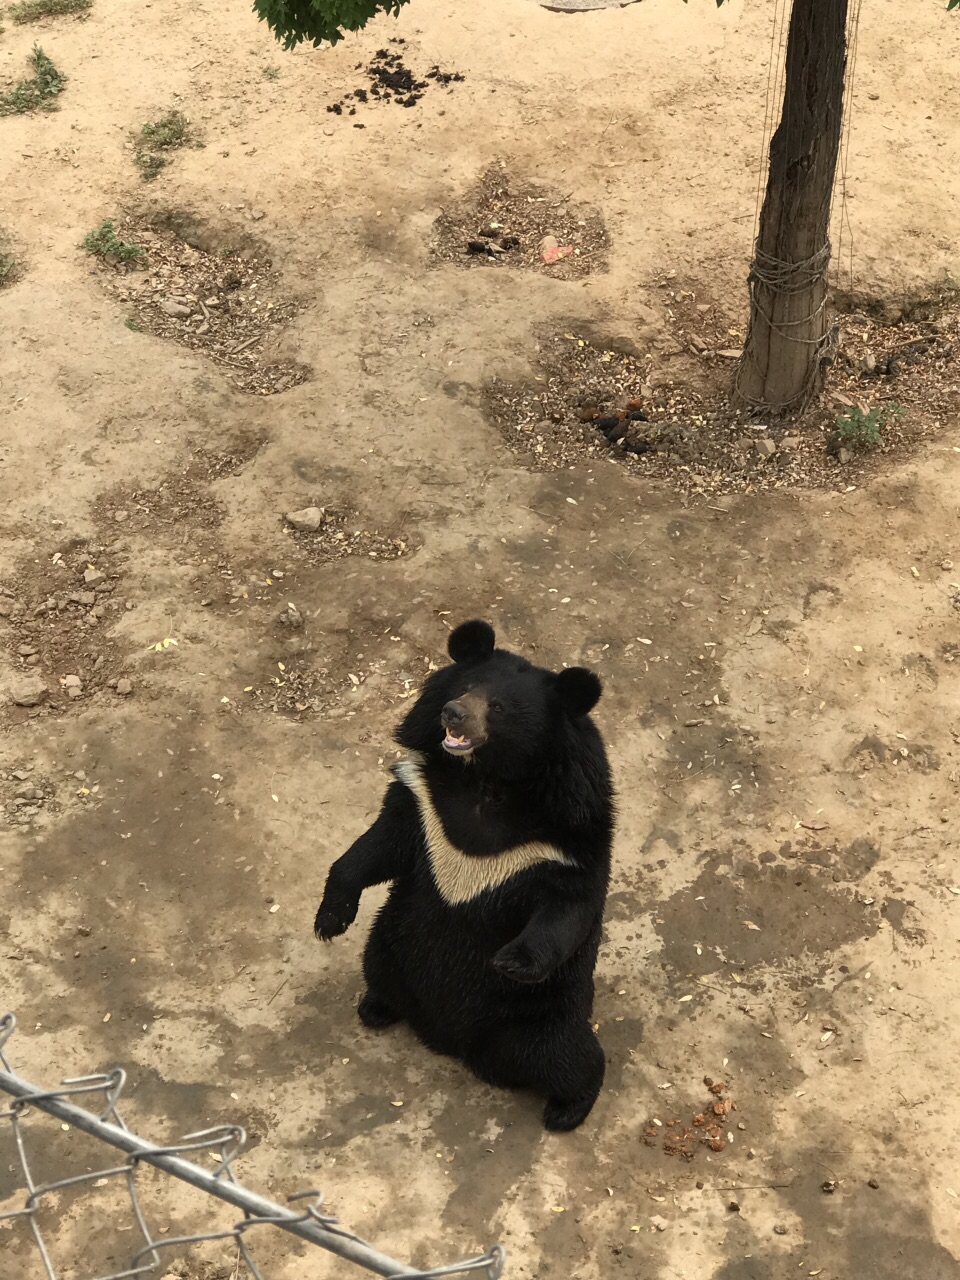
(451, 740)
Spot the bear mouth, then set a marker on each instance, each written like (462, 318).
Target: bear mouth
(457, 746)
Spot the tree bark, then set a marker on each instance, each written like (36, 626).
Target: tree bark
(782, 364)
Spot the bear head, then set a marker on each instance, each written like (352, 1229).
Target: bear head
(493, 708)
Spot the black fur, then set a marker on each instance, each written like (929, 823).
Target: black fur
(504, 981)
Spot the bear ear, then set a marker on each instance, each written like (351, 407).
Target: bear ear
(579, 690)
(471, 642)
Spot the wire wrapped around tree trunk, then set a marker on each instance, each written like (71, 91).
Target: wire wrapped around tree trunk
(773, 277)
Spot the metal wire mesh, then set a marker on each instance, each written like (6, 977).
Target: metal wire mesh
(307, 1221)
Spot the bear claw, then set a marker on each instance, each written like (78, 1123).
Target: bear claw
(331, 922)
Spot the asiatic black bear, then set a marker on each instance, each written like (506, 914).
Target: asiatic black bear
(496, 836)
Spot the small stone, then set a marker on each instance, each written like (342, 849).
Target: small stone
(120, 515)
(946, 564)
(779, 1229)
(790, 442)
(71, 682)
(6, 607)
(872, 1182)
(28, 691)
(25, 650)
(124, 688)
(733, 1206)
(659, 1223)
(257, 215)
(84, 930)
(291, 617)
(307, 520)
(178, 310)
(828, 1187)
(869, 363)
(844, 456)
(86, 598)
(766, 448)
(74, 691)
(93, 577)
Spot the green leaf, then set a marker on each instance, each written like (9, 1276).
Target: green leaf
(319, 21)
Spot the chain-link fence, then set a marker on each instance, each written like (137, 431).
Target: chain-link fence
(303, 1216)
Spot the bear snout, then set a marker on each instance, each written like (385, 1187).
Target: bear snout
(453, 715)
(464, 721)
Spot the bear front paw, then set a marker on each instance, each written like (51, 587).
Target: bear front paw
(517, 963)
(334, 918)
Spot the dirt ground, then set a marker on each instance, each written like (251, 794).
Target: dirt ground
(782, 681)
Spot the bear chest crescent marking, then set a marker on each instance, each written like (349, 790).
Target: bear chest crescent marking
(460, 878)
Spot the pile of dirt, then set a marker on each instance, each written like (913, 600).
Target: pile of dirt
(56, 614)
(507, 221)
(389, 80)
(668, 415)
(227, 304)
(707, 1128)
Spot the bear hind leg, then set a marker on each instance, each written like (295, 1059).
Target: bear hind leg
(567, 1109)
(385, 1000)
(376, 1013)
(565, 1063)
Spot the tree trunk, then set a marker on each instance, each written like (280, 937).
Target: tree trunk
(784, 354)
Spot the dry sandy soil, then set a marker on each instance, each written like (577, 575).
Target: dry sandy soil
(781, 668)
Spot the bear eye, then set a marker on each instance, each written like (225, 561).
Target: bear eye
(496, 706)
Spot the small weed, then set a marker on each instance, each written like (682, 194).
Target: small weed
(171, 130)
(859, 430)
(105, 243)
(134, 325)
(271, 73)
(166, 134)
(8, 269)
(37, 94)
(34, 10)
(149, 164)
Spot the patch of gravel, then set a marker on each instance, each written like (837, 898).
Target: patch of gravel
(503, 208)
(343, 533)
(666, 413)
(228, 305)
(179, 506)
